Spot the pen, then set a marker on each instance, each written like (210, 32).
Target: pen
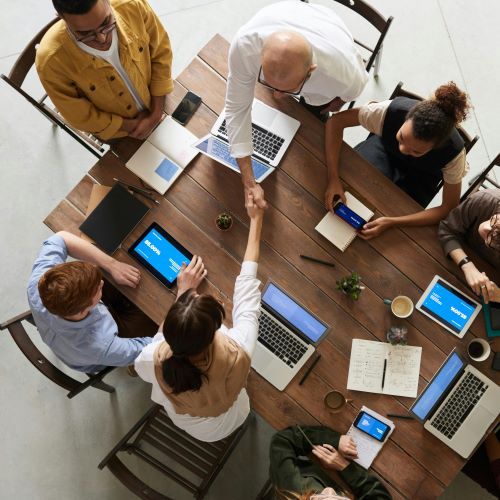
(304, 434)
(319, 261)
(394, 415)
(143, 192)
(383, 374)
(309, 370)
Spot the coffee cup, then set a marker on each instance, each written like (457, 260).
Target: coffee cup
(401, 306)
(335, 400)
(478, 349)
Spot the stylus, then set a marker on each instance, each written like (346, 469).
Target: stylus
(319, 261)
(394, 415)
(304, 434)
(138, 190)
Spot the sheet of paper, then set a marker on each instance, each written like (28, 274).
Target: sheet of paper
(366, 368)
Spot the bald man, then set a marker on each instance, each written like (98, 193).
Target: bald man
(292, 48)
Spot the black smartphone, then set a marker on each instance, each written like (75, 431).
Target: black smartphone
(495, 364)
(187, 107)
(351, 217)
(371, 426)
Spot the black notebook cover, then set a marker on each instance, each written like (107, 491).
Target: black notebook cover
(114, 218)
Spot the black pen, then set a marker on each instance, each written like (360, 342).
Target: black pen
(394, 415)
(309, 370)
(383, 374)
(304, 434)
(319, 261)
(138, 190)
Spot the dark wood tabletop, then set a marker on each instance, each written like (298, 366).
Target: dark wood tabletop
(413, 463)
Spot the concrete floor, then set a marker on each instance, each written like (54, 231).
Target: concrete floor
(50, 445)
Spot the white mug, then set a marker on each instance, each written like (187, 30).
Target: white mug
(401, 306)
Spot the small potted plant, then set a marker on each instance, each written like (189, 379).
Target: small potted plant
(224, 221)
(351, 285)
(397, 335)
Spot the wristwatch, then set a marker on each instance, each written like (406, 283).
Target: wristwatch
(464, 261)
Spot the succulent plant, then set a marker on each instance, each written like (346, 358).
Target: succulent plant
(224, 221)
(397, 335)
(351, 285)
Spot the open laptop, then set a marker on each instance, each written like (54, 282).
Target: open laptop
(458, 405)
(288, 336)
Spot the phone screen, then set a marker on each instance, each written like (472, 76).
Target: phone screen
(185, 110)
(371, 426)
(351, 217)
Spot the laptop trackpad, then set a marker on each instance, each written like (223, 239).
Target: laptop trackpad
(263, 115)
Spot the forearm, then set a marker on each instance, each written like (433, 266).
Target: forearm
(252, 251)
(83, 250)
(425, 217)
(457, 255)
(157, 105)
(247, 177)
(333, 144)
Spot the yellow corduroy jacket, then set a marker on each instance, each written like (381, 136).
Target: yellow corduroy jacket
(88, 91)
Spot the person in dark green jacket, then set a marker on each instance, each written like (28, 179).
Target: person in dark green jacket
(295, 476)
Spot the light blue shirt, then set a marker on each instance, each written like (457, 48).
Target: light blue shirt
(88, 345)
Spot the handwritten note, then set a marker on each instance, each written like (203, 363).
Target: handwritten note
(366, 368)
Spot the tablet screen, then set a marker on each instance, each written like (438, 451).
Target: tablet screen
(448, 306)
(160, 254)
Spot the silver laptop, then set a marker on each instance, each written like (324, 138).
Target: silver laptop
(288, 336)
(458, 405)
(272, 132)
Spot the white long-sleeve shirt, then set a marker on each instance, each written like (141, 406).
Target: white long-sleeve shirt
(246, 310)
(340, 68)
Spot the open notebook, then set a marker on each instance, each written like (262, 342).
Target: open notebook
(164, 155)
(336, 230)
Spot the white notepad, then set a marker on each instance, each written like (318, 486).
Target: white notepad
(336, 230)
(366, 368)
(368, 447)
(164, 155)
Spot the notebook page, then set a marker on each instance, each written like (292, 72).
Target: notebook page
(366, 366)
(403, 369)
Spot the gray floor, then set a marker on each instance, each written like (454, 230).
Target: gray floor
(50, 445)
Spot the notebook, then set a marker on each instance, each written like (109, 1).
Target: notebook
(491, 313)
(368, 448)
(96, 196)
(163, 156)
(336, 230)
(114, 218)
(369, 360)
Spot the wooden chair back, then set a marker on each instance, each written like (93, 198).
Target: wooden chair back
(44, 366)
(159, 443)
(485, 180)
(15, 79)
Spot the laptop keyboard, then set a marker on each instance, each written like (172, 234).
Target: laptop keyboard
(265, 143)
(461, 403)
(279, 341)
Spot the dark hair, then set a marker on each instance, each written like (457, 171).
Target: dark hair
(189, 329)
(67, 289)
(434, 119)
(73, 6)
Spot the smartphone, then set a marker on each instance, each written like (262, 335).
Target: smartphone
(495, 315)
(371, 426)
(496, 361)
(351, 217)
(185, 110)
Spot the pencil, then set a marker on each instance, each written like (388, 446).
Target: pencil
(309, 370)
(319, 261)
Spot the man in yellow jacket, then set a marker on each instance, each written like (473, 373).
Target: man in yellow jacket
(107, 66)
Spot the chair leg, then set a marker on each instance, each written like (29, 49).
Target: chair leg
(104, 387)
(377, 61)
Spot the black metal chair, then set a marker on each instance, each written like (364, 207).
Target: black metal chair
(159, 443)
(43, 365)
(485, 180)
(16, 78)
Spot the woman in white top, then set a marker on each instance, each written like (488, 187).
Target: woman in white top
(197, 366)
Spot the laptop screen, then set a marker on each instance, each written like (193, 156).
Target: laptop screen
(438, 386)
(293, 313)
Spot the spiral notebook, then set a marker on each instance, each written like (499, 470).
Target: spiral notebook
(336, 230)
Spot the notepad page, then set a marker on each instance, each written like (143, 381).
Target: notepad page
(336, 230)
(403, 370)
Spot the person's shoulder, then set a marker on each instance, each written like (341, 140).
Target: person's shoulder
(486, 197)
(51, 44)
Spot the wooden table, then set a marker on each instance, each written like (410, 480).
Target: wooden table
(413, 463)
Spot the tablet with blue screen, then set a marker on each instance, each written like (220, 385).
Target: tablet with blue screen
(448, 306)
(160, 254)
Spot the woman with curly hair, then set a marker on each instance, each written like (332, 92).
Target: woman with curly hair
(413, 143)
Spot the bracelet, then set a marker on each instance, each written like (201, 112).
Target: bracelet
(464, 261)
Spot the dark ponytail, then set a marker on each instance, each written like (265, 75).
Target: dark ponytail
(189, 329)
(434, 119)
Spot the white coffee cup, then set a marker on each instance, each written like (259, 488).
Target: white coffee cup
(401, 306)
(478, 349)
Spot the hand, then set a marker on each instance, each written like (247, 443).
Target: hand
(347, 447)
(253, 210)
(190, 276)
(334, 106)
(333, 189)
(493, 292)
(124, 274)
(477, 280)
(257, 194)
(329, 457)
(375, 228)
(145, 126)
